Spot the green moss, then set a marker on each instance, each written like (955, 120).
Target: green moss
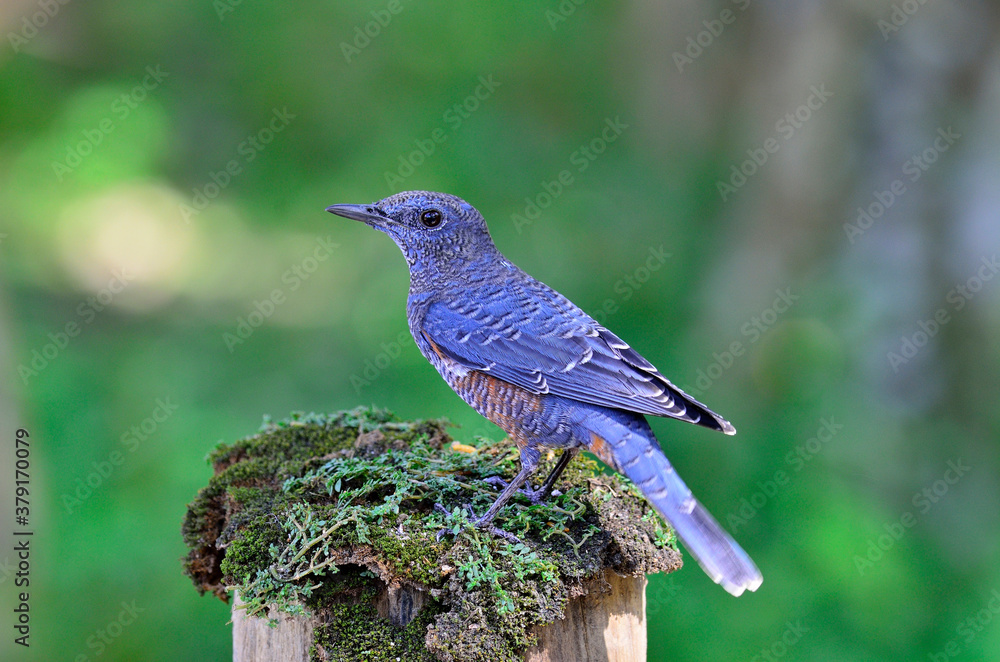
(280, 450)
(318, 514)
(356, 632)
(250, 550)
(411, 555)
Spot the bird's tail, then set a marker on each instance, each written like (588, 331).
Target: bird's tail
(630, 447)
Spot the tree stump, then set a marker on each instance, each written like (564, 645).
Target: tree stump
(325, 529)
(597, 627)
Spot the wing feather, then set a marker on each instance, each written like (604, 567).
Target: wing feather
(528, 334)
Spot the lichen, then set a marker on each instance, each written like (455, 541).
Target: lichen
(318, 514)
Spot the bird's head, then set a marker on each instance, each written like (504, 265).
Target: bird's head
(432, 229)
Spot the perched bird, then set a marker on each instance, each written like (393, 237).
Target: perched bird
(526, 358)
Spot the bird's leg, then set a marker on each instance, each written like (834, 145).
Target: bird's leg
(529, 464)
(536, 496)
(567, 456)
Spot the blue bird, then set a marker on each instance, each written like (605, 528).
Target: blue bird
(528, 359)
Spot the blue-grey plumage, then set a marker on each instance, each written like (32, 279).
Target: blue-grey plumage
(532, 362)
(624, 441)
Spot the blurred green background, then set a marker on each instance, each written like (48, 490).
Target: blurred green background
(796, 219)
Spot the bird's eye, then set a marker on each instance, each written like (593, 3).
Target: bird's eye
(431, 218)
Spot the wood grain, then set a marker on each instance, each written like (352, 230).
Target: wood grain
(598, 627)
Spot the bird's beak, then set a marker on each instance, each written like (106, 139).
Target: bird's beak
(363, 213)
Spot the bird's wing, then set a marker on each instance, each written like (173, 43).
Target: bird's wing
(532, 336)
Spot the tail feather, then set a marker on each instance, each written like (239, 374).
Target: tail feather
(640, 458)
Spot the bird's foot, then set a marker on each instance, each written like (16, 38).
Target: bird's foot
(487, 525)
(478, 522)
(534, 496)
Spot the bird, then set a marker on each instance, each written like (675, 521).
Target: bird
(543, 370)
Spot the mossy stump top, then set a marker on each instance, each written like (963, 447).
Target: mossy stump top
(332, 517)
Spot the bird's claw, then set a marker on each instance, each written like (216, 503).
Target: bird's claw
(534, 496)
(478, 522)
(506, 535)
(481, 523)
(497, 482)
